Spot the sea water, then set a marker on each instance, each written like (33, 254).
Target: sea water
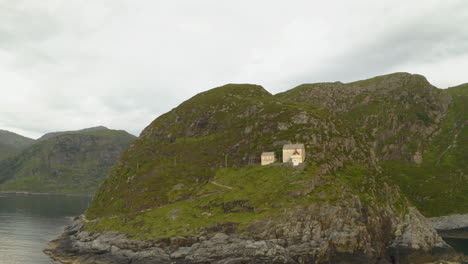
(29, 222)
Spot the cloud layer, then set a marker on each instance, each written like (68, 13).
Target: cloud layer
(120, 63)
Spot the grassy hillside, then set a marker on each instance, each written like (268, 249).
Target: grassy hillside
(11, 143)
(193, 168)
(225, 127)
(65, 163)
(439, 185)
(235, 199)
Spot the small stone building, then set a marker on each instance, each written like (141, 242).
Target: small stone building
(294, 153)
(268, 158)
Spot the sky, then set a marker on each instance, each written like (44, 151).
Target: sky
(72, 64)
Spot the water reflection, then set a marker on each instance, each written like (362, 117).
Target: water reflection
(27, 223)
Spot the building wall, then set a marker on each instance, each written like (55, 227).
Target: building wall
(287, 153)
(296, 160)
(268, 160)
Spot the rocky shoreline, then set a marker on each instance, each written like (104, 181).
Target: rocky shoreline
(415, 244)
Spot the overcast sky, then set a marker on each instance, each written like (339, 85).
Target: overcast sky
(71, 64)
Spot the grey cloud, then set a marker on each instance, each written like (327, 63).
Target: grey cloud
(121, 63)
(429, 38)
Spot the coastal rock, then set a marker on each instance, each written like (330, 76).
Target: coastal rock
(317, 234)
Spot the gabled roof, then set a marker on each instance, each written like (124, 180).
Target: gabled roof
(293, 146)
(268, 154)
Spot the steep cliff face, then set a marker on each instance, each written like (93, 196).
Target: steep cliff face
(414, 131)
(11, 143)
(64, 163)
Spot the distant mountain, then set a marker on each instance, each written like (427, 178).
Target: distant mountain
(65, 162)
(11, 143)
(86, 130)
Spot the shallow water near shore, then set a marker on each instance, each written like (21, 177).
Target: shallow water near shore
(29, 222)
(459, 244)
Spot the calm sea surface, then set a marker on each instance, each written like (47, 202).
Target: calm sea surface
(460, 244)
(29, 222)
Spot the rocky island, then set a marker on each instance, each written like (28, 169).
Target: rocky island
(381, 155)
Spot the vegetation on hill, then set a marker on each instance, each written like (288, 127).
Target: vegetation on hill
(194, 173)
(225, 127)
(74, 162)
(241, 197)
(11, 143)
(397, 124)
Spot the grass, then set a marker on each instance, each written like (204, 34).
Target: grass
(243, 203)
(245, 196)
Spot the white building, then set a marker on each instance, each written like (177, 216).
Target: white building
(294, 153)
(268, 158)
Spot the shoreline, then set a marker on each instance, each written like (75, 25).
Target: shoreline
(460, 233)
(24, 193)
(419, 243)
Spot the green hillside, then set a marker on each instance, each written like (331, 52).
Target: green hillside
(227, 126)
(374, 149)
(398, 125)
(11, 143)
(237, 199)
(71, 162)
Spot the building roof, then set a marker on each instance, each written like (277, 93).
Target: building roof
(268, 154)
(293, 146)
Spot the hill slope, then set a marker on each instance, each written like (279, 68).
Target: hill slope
(230, 125)
(341, 205)
(11, 143)
(67, 162)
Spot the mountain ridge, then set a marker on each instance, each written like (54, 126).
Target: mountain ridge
(80, 131)
(11, 143)
(64, 162)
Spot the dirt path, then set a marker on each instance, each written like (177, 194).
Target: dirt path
(221, 185)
